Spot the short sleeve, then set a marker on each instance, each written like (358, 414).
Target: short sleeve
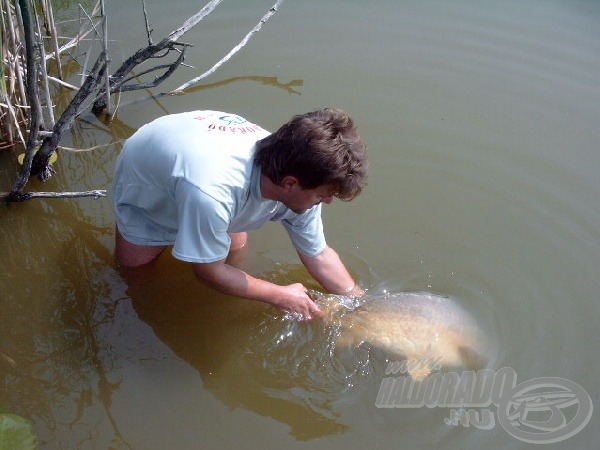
(306, 231)
(203, 222)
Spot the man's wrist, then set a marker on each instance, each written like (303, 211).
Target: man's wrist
(353, 291)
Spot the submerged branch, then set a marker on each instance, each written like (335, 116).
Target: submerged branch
(29, 195)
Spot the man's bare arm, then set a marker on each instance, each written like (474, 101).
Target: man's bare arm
(329, 270)
(230, 280)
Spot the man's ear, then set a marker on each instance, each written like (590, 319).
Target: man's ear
(289, 182)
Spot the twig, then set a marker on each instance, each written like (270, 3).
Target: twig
(148, 30)
(193, 21)
(236, 49)
(63, 83)
(16, 121)
(8, 123)
(15, 106)
(89, 149)
(170, 69)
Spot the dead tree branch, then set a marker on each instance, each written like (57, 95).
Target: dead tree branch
(75, 107)
(165, 46)
(35, 113)
(29, 195)
(39, 165)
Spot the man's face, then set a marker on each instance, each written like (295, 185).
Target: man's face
(300, 200)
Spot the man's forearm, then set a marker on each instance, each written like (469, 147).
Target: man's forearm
(233, 281)
(329, 270)
(230, 280)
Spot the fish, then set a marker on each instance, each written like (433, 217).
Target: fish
(429, 331)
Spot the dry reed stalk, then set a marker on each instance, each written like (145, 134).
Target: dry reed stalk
(43, 74)
(49, 13)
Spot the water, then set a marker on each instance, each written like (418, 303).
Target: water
(482, 122)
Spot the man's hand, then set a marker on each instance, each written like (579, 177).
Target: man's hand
(294, 300)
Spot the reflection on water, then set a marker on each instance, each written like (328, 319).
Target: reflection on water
(268, 81)
(223, 339)
(289, 87)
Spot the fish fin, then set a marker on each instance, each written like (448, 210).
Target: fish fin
(471, 359)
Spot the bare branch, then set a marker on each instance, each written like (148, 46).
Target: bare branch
(157, 80)
(168, 43)
(236, 49)
(63, 83)
(89, 149)
(29, 195)
(193, 21)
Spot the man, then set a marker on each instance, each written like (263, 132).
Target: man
(200, 180)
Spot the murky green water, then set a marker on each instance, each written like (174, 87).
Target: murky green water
(482, 120)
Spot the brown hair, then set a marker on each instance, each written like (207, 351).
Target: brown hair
(318, 148)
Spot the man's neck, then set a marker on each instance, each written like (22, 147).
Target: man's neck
(268, 189)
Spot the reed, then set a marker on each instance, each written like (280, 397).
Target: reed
(15, 103)
(32, 69)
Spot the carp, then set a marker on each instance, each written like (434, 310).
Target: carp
(428, 330)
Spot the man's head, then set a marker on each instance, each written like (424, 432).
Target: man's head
(320, 148)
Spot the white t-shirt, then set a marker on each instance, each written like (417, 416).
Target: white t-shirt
(189, 179)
